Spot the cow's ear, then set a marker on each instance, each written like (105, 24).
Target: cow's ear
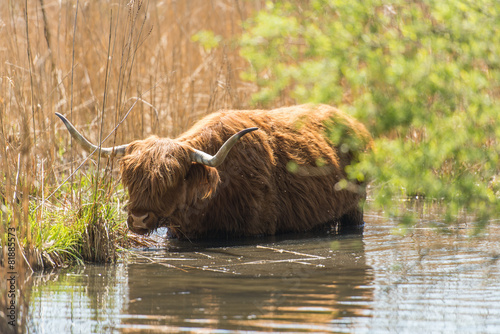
(202, 181)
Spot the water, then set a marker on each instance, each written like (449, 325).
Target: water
(377, 283)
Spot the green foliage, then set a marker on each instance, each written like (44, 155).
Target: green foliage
(423, 76)
(59, 241)
(207, 39)
(75, 234)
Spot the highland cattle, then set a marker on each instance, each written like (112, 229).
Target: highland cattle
(286, 174)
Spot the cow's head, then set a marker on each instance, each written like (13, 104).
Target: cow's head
(162, 176)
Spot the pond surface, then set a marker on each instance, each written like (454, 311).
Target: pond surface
(424, 282)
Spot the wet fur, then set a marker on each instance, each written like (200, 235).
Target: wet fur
(252, 192)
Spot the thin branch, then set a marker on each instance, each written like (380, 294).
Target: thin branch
(71, 85)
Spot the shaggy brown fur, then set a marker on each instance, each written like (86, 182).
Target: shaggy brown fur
(283, 177)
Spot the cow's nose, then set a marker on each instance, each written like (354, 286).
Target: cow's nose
(142, 224)
(138, 224)
(139, 221)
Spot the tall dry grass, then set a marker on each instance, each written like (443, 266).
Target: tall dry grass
(101, 64)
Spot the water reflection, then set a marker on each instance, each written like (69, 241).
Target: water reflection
(381, 282)
(297, 285)
(81, 300)
(444, 283)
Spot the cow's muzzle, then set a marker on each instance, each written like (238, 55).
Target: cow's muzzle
(142, 224)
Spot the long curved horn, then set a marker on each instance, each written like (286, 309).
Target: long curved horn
(91, 148)
(214, 161)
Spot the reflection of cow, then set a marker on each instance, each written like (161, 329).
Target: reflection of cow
(286, 177)
(318, 284)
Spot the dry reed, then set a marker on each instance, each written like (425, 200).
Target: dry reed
(136, 59)
(99, 63)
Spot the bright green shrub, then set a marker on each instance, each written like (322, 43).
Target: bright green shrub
(424, 76)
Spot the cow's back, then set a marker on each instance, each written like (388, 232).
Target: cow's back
(282, 178)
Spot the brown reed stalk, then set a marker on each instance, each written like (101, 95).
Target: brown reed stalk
(65, 62)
